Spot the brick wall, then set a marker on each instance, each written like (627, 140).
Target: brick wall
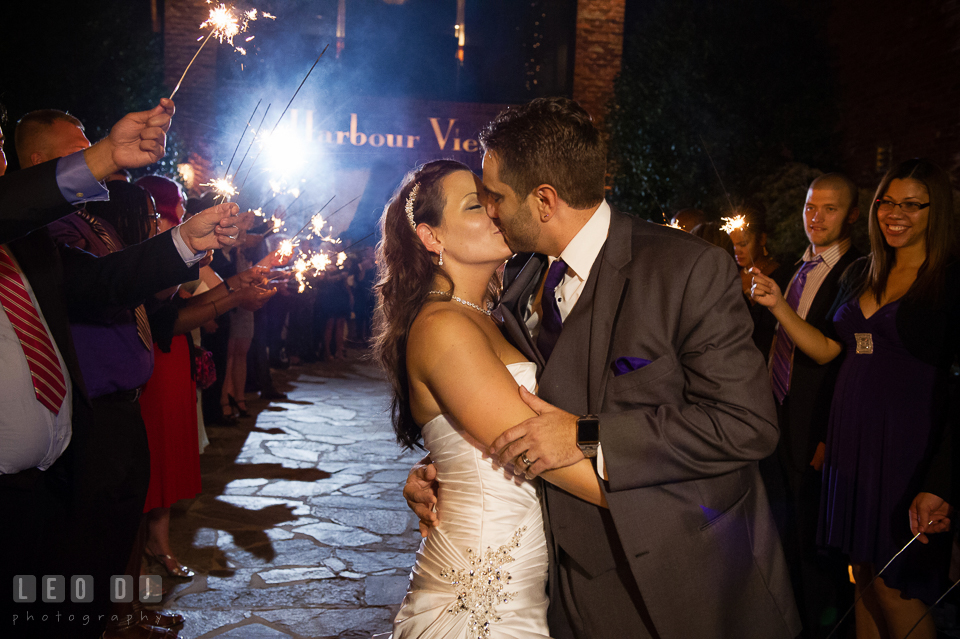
(196, 99)
(898, 68)
(598, 54)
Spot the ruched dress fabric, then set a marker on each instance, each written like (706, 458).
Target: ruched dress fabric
(491, 525)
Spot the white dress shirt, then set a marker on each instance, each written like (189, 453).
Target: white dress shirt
(817, 274)
(30, 434)
(579, 255)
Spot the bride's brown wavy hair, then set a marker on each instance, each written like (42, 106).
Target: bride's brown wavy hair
(406, 274)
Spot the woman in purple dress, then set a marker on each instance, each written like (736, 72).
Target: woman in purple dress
(896, 324)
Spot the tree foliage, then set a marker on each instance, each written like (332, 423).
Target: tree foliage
(96, 60)
(745, 83)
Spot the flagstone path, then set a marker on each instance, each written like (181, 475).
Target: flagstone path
(301, 529)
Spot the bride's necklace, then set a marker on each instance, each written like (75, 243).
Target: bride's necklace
(462, 301)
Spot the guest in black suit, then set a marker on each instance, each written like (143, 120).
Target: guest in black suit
(40, 471)
(804, 390)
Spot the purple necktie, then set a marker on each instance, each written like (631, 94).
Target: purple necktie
(550, 321)
(783, 352)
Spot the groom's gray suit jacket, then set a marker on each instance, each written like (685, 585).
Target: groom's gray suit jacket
(681, 438)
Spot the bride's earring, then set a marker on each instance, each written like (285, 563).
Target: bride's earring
(441, 258)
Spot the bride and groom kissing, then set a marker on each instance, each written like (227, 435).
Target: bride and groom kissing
(623, 499)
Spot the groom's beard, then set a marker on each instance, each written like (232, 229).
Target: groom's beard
(522, 232)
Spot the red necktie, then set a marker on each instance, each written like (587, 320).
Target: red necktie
(42, 359)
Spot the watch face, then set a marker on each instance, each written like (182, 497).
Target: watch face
(588, 430)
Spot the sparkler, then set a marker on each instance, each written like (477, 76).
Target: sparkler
(224, 26)
(285, 112)
(244, 132)
(253, 139)
(310, 222)
(277, 223)
(318, 261)
(935, 604)
(223, 186)
(870, 583)
(286, 248)
(736, 223)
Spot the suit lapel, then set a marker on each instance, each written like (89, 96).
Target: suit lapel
(611, 286)
(522, 274)
(826, 294)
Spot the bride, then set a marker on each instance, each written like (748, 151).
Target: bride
(483, 571)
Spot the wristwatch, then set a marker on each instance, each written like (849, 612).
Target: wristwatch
(588, 435)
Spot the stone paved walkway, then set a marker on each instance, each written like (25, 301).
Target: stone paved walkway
(301, 529)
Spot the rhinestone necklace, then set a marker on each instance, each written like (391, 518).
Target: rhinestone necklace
(462, 301)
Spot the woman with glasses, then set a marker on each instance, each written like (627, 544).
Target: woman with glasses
(896, 323)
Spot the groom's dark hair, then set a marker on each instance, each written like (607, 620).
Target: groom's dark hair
(549, 141)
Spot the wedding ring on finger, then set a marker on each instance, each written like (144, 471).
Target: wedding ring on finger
(523, 458)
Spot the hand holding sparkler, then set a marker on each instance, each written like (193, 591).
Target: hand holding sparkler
(252, 298)
(765, 291)
(253, 276)
(278, 258)
(930, 508)
(212, 228)
(137, 140)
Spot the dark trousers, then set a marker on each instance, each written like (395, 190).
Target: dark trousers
(80, 517)
(821, 583)
(35, 506)
(111, 475)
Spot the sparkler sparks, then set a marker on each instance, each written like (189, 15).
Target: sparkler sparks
(731, 224)
(223, 186)
(224, 25)
(316, 225)
(673, 224)
(286, 248)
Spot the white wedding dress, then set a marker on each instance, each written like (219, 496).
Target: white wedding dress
(483, 572)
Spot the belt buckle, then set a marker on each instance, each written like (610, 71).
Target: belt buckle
(864, 343)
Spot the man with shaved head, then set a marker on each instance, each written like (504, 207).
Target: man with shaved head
(803, 391)
(48, 135)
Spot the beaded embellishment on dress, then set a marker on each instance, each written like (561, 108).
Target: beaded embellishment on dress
(480, 589)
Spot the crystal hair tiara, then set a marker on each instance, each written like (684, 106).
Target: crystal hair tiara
(411, 198)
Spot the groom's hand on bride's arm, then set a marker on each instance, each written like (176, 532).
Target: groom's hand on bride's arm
(548, 440)
(420, 491)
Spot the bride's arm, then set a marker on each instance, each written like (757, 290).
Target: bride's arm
(453, 364)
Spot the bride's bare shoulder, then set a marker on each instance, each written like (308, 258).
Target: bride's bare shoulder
(439, 327)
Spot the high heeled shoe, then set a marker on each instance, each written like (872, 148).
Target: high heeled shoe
(242, 411)
(171, 564)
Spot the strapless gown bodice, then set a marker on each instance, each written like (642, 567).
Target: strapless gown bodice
(483, 571)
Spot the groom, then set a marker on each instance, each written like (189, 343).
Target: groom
(645, 363)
